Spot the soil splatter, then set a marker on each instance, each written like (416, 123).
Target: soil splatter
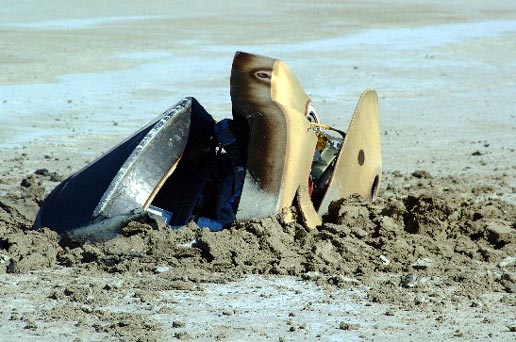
(424, 234)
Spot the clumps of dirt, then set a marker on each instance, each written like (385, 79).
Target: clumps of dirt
(52, 176)
(19, 208)
(22, 249)
(29, 250)
(122, 326)
(425, 240)
(142, 245)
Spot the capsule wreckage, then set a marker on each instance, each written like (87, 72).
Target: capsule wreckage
(272, 155)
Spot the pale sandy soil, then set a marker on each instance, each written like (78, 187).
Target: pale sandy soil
(77, 78)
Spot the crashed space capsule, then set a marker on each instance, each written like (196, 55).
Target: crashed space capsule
(273, 155)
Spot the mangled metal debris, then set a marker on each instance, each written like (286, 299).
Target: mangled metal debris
(273, 154)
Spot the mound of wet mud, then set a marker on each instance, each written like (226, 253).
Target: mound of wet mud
(424, 241)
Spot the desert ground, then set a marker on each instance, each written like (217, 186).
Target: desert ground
(433, 258)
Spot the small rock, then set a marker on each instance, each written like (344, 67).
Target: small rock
(182, 335)
(182, 285)
(508, 281)
(339, 279)
(475, 304)
(4, 258)
(311, 275)
(31, 325)
(482, 189)
(161, 269)
(358, 232)
(419, 300)
(488, 320)
(384, 260)
(508, 261)
(56, 295)
(421, 174)
(409, 280)
(227, 313)
(458, 333)
(178, 324)
(477, 153)
(144, 296)
(42, 172)
(499, 234)
(30, 182)
(422, 264)
(55, 177)
(116, 284)
(389, 312)
(348, 326)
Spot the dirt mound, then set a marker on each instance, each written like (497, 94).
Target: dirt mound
(425, 239)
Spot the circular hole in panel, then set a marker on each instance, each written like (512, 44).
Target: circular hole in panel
(361, 157)
(263, 75)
